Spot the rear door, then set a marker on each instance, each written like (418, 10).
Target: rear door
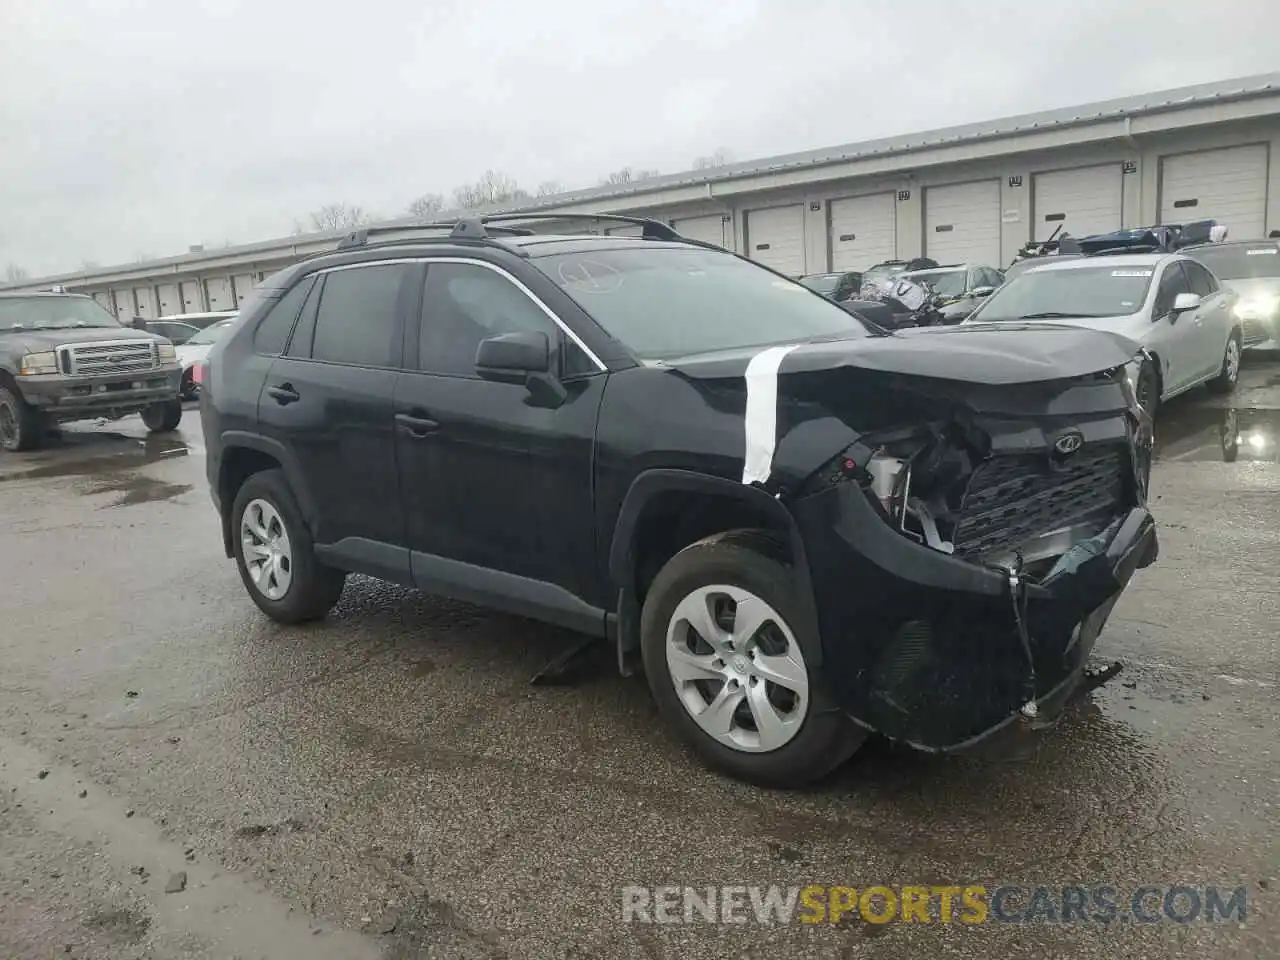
(328, 400)
(497, 486)
(1214, 321)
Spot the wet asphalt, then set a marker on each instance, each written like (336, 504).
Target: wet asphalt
(388, 784)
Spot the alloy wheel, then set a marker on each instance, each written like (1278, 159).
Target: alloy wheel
(737, 668)
(268, 555)
(1232, 360)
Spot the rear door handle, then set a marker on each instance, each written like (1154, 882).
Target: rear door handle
(416, 426)
(284, 394)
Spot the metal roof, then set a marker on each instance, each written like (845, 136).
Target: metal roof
(1224, 91)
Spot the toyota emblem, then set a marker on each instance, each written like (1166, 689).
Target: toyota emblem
(1068, 444)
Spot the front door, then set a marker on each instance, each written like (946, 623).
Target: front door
(1175, 337)
(329, 400)
(497, 484)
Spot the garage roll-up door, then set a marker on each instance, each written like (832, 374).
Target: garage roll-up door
(1227, 185)
(775, 237)
(125, 310)
(144, 301)
(219, 289)
(242, 285)
(1082, 202)
(707, 229)
(864, 231)
(191, 299)
(170, 302)
(962, 223)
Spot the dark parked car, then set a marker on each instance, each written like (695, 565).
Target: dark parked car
(801, 528)
(835, 286)
(63, 358)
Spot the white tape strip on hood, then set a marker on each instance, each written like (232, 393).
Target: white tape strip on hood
(762, 413)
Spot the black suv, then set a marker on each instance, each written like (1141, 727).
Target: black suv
(63, 357)
(803, 529)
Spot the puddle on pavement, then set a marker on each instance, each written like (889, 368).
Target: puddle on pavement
(135, 489)
(90, 455)
(1233, 435)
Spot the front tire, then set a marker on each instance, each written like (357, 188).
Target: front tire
(20, 426)
(1229, 375)
(718, 640)
(1147, 390)
(163, 417)
(275, 554)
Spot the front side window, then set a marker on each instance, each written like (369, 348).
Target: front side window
(671, 301)
(1104, 290)
(53, 313)
(357, 319)
(464, 303)
(1202, 281)
(1172, 282)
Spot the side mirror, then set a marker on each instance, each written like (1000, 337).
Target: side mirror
(138, 323)
(983, 291)
(511, 354)
(1184, 302)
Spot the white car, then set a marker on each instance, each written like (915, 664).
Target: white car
(1169, 304)
(194, 350)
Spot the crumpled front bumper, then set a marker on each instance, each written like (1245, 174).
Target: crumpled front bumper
(926, 648)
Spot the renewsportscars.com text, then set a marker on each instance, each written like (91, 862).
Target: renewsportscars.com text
(969, 904)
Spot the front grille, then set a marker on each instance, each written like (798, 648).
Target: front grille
(107, 357)
(1012, 500)
(1254, 332)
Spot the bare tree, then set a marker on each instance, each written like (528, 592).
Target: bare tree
(15, 274)
(717, 159)
(338, 216)
(426, 206)
(493, 187)
(627, 175)
(549, 188)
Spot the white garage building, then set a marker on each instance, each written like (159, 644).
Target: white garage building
(971, 193)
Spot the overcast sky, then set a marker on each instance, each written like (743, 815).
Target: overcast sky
(139, 128)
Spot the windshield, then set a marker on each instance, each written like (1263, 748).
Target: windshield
(824, 284)
(948, 283)
(52, 313)
(1102, 291)
(882, 271)
(1245, 262)
(667, 302)
(210, 334)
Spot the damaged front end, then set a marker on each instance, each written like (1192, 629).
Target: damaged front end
(966, 550)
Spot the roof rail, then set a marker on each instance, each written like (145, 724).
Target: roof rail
(652, 229)
(465, 228)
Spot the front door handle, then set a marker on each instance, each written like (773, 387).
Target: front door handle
(416, 426)
(284, 394)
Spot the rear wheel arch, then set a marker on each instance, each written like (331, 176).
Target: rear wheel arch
(666, 511)
(243, 455)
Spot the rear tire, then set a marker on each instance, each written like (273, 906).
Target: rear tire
(21, 427)
(304, 589)
(163, 417)
(1229, 375)
(801, 734)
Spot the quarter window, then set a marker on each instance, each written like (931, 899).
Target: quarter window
(273, 329)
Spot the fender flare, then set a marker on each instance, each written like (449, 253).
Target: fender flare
(652, 483)
(231, 439)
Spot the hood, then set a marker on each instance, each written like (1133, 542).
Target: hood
(30, 340)
(989, 354)
(1253, 286)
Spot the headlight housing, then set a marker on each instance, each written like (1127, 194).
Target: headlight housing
(165, 352)
(40, 364)
(1256, 307)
